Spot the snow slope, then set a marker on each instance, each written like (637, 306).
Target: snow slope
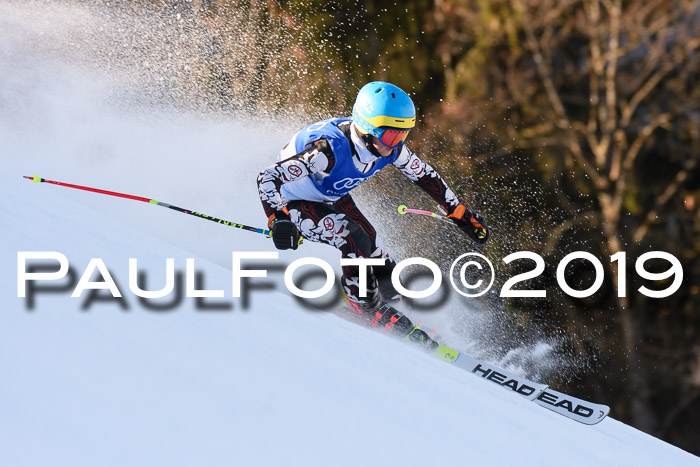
(270, 385)
(102, 384)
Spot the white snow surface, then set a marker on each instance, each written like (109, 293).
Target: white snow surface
(272, 384)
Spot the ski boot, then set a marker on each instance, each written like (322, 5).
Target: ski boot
(386, 288)
(387, 291)
(398, 324)
(380, 314)
(420, 337)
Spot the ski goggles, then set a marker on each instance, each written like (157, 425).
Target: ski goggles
(392, 137)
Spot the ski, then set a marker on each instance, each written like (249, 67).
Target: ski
(574, 408)
(571, 407)
(517, 384)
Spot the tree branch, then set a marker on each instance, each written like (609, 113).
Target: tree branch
(562, 120)
(633, 152)
(557, 233)
(628, 110)
(662, 199)
(596, 71)
(609, 124)
(631, 156)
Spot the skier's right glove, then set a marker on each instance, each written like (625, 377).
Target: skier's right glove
(284, 233)
(471, 223)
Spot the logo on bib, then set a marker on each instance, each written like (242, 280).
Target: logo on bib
(347, 183)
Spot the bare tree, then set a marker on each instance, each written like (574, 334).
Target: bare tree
(637, 62)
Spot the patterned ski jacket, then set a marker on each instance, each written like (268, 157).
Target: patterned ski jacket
(327, 159)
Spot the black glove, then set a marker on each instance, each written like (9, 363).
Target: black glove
(284, 233)
(471, 223)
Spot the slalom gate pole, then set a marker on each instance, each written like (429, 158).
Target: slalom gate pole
(37, 179)
(403, 210)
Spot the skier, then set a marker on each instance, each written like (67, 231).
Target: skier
(307, 192)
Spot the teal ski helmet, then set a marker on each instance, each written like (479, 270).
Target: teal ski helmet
(385, 111)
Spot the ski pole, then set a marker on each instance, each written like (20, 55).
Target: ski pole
(37, 179)
(403, 210)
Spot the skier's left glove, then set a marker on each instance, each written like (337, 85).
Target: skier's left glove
(284, 232)
(471, 223)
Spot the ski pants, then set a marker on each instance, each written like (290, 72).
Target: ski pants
(344, 227)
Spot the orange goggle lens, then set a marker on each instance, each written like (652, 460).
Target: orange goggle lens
(393, 138)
